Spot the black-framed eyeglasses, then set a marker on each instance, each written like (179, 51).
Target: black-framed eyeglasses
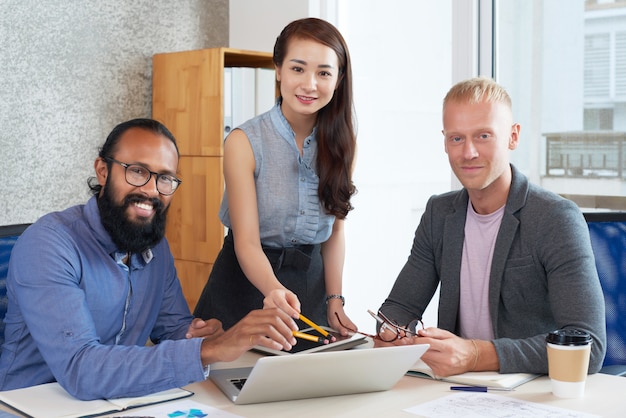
(388, 330)
(138, 175)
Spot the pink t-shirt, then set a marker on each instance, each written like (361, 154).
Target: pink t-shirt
(480, 240)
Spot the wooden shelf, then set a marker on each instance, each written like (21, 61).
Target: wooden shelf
(188, 97)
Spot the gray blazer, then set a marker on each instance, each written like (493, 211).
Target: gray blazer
(543, 274)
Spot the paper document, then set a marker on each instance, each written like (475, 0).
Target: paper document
(480, 405)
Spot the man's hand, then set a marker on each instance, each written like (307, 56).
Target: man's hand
(449, 354)
(271, 328)
(399, 341)
(210, 328)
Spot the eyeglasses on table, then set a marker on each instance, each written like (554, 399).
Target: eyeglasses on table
(389, 330)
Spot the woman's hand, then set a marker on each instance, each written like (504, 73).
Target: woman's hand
(337, 318)
(283, 299)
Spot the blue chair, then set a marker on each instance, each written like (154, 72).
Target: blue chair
(608, 239)
(8, 237)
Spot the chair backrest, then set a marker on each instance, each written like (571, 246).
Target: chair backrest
(8, 237)
(608, 239)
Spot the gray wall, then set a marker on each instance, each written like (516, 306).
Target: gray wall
(69, 72)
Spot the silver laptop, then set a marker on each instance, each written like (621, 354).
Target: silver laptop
(281, 378)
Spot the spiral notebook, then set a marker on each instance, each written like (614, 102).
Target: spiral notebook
(492, 380)
(50, 400)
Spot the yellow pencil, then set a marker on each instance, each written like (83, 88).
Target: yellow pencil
(309, 337)
(314, 325)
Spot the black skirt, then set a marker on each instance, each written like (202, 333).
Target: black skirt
(229, 296)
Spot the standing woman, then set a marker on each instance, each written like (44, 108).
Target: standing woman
(288, 175)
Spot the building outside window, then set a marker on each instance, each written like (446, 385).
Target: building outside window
(564, 63)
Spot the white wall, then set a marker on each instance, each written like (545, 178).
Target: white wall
(401, 52)
(255, 24)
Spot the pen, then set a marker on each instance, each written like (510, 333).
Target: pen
(470, 388)
(309, 337)
(314, 325)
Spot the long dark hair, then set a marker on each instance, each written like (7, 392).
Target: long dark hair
(335, 125)
(110, 145)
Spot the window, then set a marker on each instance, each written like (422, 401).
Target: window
(600, 119)
(564, 64)
(597, 81)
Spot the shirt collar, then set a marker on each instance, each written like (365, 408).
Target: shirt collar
(119, 256)
(282, 125)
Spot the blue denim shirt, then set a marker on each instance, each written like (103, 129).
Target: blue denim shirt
(290, 211)
(79, 316)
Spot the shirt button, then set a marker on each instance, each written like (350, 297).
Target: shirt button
(301, 178)
(301, 212)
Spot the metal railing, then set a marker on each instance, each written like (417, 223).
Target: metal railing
(588, 154)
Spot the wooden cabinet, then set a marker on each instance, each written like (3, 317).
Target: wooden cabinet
(188, 97)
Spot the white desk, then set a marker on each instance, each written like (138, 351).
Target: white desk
(605, 395)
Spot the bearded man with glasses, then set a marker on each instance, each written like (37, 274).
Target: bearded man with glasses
(90, 285)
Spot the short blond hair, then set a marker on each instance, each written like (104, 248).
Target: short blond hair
(476, 90)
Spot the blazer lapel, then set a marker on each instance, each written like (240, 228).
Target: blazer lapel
(506, 234)
(452, 253)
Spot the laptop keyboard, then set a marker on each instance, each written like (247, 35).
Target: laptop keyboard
(238, 382)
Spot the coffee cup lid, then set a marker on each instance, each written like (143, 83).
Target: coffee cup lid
(569, 336)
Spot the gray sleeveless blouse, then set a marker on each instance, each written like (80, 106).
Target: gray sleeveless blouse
(290, 212)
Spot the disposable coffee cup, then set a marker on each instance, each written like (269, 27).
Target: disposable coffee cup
(568, 361)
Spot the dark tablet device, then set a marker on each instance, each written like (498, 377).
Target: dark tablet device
(306, 346)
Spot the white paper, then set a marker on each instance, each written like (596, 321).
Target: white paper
(180, 409)
(480, 405)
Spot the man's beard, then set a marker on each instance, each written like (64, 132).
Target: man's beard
(131, 236)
